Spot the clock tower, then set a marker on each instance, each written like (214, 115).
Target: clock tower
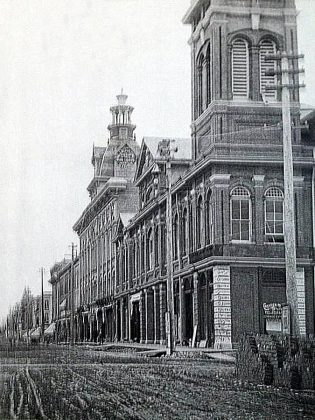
(118, 158)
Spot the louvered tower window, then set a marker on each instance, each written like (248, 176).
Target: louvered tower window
(240, 69)
(267, 47)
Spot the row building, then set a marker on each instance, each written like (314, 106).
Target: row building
(226, 195)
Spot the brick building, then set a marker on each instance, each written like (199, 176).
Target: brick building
(64, 279)
(113, 198)
(227, 198)
(228, 204)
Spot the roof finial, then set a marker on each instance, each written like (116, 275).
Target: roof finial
(122, 98)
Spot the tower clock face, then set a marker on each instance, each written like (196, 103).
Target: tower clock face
(125, 157)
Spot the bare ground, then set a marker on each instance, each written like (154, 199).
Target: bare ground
(79, 383)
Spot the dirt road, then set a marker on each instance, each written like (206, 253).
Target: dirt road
(62, 383)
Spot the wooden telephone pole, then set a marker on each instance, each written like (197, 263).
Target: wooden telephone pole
(73, 248)
(167, 151)
(289, 218)
(42, 303)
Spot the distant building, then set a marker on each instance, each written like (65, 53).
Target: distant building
(62, 304)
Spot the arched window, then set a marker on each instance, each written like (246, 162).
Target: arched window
(175, 237)
(134, 260)
(163, 244)
(150, 254)
(210, 219)
(208, 67)
(267, 47)
(240, 69)
(240, 208)
(200, 84)
(191, 229)
(199, 222)
(184, 232)
(274, 215)
(156, 246)
(138, 258)
(142, 252)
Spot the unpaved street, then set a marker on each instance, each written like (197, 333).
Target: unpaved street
(81, 383)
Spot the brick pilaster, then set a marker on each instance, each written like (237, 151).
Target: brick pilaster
(149, 316)
(162, 312)
(196, 304)
(142, 310)
(258, 225)
(156, 303)
(182, 312)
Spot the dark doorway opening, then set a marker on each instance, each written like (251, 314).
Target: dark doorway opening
(135, 322)
(189, 314)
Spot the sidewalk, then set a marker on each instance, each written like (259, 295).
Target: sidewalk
(157, 350)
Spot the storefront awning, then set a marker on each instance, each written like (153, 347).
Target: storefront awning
(51, 329)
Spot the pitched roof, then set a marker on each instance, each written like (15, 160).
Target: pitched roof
(307, 112)
(126, 217)
(183, 146)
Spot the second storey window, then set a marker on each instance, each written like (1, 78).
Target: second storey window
(240, 69)
(184, 232)
(210, 218)
(240, 208)
(274, 215)
(175, 237)
(199, 223)
(150, 250)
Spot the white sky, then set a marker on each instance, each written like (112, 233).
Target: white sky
(62, 63)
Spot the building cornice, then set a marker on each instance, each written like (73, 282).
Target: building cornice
(231, 11)
(109, 191)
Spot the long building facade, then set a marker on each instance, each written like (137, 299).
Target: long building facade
(113, 198)
(227, 222)
(226, 194)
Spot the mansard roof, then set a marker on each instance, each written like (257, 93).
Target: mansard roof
(98, 152)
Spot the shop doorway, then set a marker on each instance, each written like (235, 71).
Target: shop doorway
(135, 322)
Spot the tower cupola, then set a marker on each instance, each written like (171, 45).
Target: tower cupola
(121, 127)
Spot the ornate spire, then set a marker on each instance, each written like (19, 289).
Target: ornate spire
(122, 99)
(121, 126)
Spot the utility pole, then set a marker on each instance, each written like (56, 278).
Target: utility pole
(42, 305)
(289, 216)
(73, 248)
(167, 151)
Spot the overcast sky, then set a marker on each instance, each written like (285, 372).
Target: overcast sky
(62, 63)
